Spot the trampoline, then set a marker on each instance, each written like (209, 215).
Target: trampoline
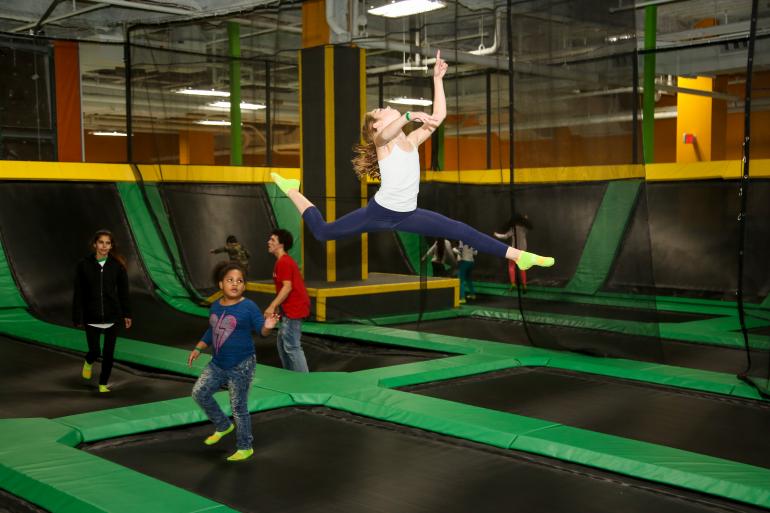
(323, 460)
(45, 382)
(591, 342)
(635, 410)
(68, 222)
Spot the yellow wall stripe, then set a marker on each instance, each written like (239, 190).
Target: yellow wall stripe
(217, 174)
(330, 140)
(26, 170)
(78, 171)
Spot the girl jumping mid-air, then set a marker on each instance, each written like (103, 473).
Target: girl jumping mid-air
(391, 156)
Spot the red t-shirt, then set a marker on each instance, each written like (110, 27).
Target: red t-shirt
(297, 305)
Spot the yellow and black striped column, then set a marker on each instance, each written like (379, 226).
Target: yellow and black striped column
(332, 103)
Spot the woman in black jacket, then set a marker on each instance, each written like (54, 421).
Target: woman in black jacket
(100, 302)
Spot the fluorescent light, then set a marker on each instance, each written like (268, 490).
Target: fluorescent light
(110, 134)
(212, 122)
(397, 9)
(244, 105)
(403, 100)
(203, 92)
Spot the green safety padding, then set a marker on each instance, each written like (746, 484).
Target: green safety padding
(439, 370)
(100, 425)
(605, 237)
(287, 217)
(736, 481)
(715, 332)
(51, 473)
(681, 377)
(153, 251)
(155, 200)
(639, 301)
(675, 467)
(384, 335)
(9, 294)
(21, 324)
(412, 244)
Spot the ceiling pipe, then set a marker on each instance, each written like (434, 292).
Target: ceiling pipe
(496, 41)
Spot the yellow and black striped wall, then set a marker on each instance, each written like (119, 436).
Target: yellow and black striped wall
(332, 102)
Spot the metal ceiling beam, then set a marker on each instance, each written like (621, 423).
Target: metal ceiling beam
(129, 4)
(642, 5)
(35, 26)
(45, 16)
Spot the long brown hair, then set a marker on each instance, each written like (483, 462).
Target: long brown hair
(365, 161)
(114, 252)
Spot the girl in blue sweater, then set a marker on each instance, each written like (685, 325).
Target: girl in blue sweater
(232, 320)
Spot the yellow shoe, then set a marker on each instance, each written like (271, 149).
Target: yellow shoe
(527, 260)
(285, 184)
(104, 389)
(86, 370)
(217, 436)
(240, 455)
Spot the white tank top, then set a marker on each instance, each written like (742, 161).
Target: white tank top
(399, 180)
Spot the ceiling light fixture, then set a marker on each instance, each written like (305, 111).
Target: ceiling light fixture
(202, 92)
(403, 100)
(398, 9)
(244, 105)
(212, 122)
(110, 134)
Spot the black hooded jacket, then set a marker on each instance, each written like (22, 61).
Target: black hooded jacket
(101, 293)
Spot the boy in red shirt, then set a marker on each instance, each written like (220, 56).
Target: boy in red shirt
(291, 297)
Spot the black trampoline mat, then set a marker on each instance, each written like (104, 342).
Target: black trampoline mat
(45, 382)
(587, 310)
(310, 460)
(328, 354)
(718, 426)
(590, 342)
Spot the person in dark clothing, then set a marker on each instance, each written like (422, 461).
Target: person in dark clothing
(100, 302)
(235, 251)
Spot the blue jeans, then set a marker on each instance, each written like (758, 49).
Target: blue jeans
(289, 346)
(466, 281)
(376, 218)
(238, 381)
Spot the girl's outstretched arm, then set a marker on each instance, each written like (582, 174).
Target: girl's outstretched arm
(394, 128)
(419, 135)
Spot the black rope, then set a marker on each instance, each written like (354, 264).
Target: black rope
(743, 192)
(512, 170)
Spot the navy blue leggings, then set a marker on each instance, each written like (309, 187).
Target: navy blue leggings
(376, 218)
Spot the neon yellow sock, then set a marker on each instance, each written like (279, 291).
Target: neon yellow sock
(285, 184)
(217, 436)
(86, 373)
(527, 260)
(104, 389)
(240, 455)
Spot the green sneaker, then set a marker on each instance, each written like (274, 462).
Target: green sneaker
(217, 436)
(240, 455)
(86, 370)
(285, 184)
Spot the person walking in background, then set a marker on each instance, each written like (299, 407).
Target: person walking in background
(232, 320)
(465, 255)
(442, 258)
(235, 251)
(100, 302)
(291, 297)
(520, 224)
